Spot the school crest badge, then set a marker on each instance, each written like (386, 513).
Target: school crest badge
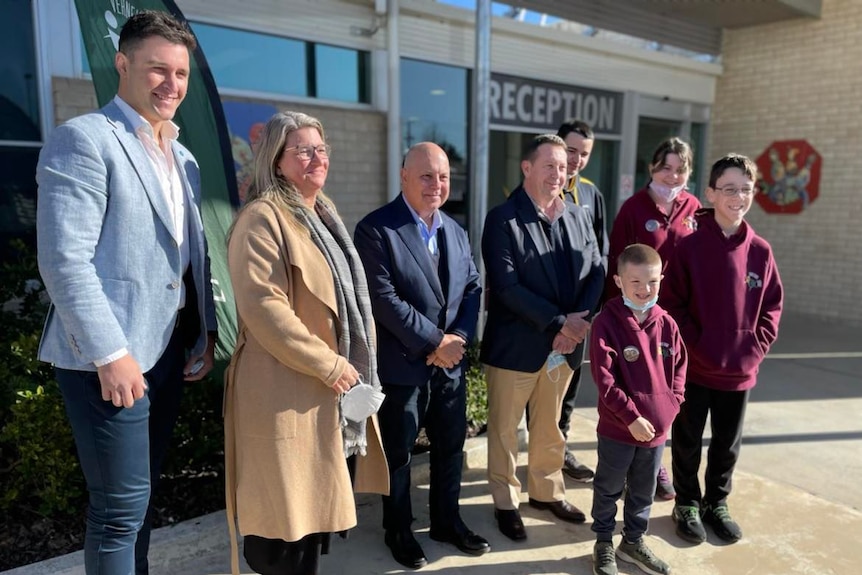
(631, 353)
(753, 281)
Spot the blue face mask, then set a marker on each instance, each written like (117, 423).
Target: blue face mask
(632, 305)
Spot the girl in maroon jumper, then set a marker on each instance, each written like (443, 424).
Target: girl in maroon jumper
(659, 215)
(724, 291)
(638, 364)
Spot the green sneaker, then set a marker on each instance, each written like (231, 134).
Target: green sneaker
(688, 523)
(641, 555)
(604, 560)
(719, 518)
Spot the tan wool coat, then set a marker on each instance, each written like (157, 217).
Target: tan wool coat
(286, 471)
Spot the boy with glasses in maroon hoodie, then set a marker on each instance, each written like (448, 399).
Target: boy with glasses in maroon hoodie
(725, 293)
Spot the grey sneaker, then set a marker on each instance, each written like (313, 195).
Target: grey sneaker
(641, 555)
(719, 518)
(577, 470)
(604, 560)
(688, 523)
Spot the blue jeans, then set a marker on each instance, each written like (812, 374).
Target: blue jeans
(440, 406)
(121, 452)
(624, 466)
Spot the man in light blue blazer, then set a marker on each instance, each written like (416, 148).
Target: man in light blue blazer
(123, 256)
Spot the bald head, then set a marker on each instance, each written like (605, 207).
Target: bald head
(425, 179)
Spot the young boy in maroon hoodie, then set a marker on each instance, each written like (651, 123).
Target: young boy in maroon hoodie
(638, 364)
(724, 291)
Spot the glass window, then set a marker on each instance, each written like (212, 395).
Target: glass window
(251, 61)
(434, 107)
(17, 196)
(341, 74)
(603, 171)
(700, 173)
(19, 90)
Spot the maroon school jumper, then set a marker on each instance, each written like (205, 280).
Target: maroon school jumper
(639, 221)
(639, 370)
(726, 296)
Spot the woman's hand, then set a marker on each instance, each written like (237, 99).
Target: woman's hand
(349, 377)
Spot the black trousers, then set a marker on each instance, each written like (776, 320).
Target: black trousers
(440, 407)
(569, 403)
(727, 412)
(277, 557)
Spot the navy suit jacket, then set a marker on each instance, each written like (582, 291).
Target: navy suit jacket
(410, 309)
(524, 303)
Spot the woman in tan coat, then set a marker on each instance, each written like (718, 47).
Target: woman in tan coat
(306, 336)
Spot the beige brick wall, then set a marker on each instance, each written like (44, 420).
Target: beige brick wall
(801, 80)
(72, 98)
(357, 173)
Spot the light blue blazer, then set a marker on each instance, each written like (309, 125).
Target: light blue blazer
(107, 246)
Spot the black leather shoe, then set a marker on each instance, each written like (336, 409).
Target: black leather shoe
(510, 524)
(562, 509)
(405, 548)
(462, 538)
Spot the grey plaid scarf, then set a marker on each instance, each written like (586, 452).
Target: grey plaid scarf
(355, 332)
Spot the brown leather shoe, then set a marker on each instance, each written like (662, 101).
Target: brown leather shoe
(562, 509)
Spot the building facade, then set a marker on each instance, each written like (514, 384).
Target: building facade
(330, 58)
(798, 81)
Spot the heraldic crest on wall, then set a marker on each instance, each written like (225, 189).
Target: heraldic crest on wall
(789, 177)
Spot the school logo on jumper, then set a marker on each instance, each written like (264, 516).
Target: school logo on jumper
(690, 223)
(631, 353)
(752, 280)
(665, 349)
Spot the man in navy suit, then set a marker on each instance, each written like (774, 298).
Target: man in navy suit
(425, 294)
(123, 255)
(545, 277)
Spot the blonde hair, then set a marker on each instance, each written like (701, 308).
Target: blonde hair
(267, 183)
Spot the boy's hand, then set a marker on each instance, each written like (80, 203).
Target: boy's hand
(642, 430)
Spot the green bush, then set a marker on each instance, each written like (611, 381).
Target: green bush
(41, 472)
(477, 391)
(38, 468)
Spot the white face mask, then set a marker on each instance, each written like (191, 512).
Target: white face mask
(645, 306)
(665, 193)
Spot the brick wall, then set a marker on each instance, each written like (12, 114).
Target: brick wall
(357, 172)
(72, 98)
(801, 80)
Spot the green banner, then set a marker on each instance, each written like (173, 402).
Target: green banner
(202, 130)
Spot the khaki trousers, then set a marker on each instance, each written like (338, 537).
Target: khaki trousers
(509, 392)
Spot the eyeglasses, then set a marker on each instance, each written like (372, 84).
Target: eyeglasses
(308, 152)
(730, 191)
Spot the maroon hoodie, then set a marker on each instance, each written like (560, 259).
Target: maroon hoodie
(726, 296)
(639, 370)
(639, 221)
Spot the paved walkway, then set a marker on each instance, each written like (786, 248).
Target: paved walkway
(796, 492)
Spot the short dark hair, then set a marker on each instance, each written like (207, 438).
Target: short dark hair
(529, 152)
(672, 146)
(743, 163)
(148, 23)
(638, 254)
(578, 127)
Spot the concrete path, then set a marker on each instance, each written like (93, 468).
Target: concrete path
(796, 491)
